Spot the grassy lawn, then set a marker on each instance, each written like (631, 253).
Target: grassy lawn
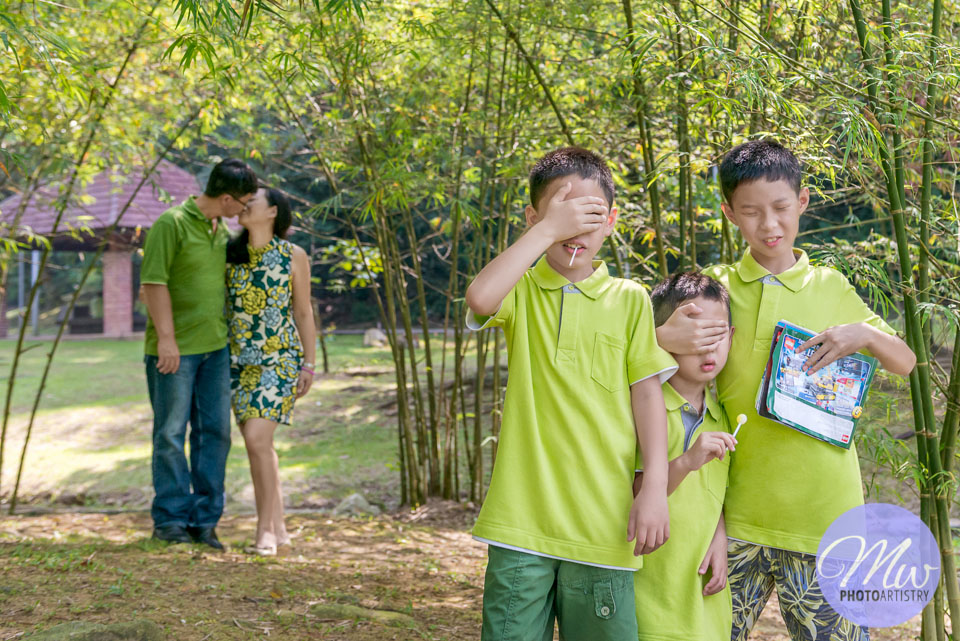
(91, 441)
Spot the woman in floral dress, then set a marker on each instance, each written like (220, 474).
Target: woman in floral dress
(272, 346)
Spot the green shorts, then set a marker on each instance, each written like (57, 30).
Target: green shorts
(523, 594)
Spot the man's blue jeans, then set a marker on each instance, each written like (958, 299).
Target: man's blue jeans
(198, 392)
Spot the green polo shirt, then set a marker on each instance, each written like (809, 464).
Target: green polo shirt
(184, 253)
(669, 589)
(785, 487)
(562, 483)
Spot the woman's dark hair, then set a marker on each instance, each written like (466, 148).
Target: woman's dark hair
(237, 251)
(231, 176)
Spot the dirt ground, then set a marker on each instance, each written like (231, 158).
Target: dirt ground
(102, 568)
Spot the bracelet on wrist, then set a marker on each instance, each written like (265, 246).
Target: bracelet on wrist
(308, 370)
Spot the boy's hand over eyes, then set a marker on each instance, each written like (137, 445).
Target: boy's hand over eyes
(716, 561)
(708, 446)
(649, 521)
(684, 333)
(563, 219)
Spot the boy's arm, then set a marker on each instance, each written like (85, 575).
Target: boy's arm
(716, 560)
(494, 282)
(708, 446)
(649, 519)
(561, 219)
(842, 340)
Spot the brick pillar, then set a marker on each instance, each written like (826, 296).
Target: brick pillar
(117, 293)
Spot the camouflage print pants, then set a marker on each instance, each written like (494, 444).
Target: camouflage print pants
(756, 569)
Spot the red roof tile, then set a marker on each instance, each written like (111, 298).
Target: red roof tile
(108, 193)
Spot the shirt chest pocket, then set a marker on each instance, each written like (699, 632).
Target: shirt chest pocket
(715, 477)
(609, 368)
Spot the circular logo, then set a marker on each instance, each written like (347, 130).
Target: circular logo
(878, 565)
(857, 411)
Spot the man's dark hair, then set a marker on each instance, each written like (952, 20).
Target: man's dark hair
(568, 161)
(679, 288)
(231, 176)
(758, 160)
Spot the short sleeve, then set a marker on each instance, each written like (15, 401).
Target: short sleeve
(645, 357)
(855, 310)
(159, 251)
(503, 316)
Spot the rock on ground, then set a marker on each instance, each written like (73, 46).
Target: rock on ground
(374, 337)
(344, 611)
(355, 505)
(141, 630)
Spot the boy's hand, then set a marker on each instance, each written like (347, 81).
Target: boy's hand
(649, 521)
(684, 333)
(708, 446)
(716, 561)
(563, 219)
(835, 342)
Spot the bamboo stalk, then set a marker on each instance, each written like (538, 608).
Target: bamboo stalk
(920, 378)
(76, 295)
(61, 209)
(683, 158)
(650, 179)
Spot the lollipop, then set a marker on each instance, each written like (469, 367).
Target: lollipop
(741, 419)
(572, 258)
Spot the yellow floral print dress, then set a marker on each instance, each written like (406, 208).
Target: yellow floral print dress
(265, 349)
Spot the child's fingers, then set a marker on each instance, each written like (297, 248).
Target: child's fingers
(816, 340)
(561, 194)
(641, 542)
(828, 358)
(728, 440)
(654, 540)
(714, 585)
(711, 327)
(690, 309)
(708, 343)
(592, 209)
(822, 357)
(588, 200)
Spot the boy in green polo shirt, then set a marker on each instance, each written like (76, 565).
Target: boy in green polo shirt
(675, 599)
(785, 488)
(584, 388)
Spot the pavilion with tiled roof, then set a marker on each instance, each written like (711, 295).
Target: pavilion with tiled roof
(86, 225)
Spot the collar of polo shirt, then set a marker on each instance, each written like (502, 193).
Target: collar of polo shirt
(673, 401)
(794, 278)
(594, 285)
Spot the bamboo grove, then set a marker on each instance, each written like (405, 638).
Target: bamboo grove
(404, 130)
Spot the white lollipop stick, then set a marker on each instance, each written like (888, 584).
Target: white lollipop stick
(741, 419)
(574, 257)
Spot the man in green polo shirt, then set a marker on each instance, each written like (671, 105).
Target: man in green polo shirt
(186, 355)
(786, 488)
(585, 373)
